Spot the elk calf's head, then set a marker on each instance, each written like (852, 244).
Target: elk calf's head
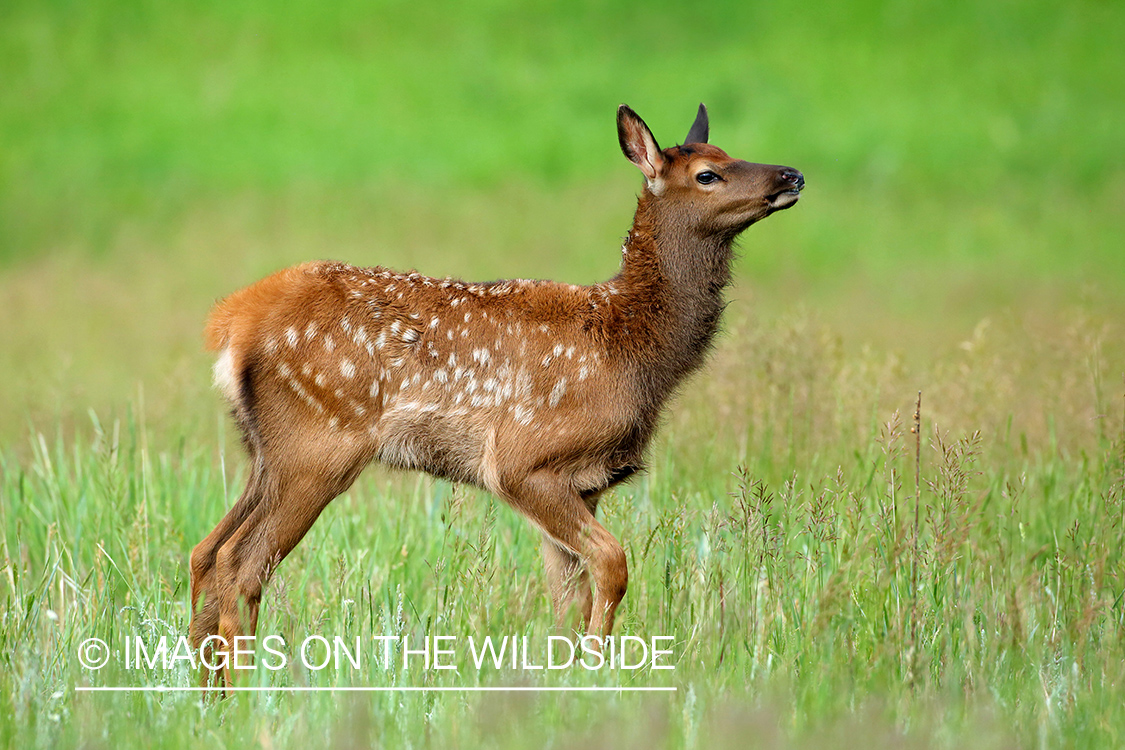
(543, 393)
(701, 186)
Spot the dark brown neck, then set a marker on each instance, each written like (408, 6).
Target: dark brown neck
(669, 295)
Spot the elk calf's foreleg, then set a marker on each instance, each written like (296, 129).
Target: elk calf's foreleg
(569, 585)
(551, 503)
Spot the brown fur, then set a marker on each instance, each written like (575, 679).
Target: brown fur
(545, 394)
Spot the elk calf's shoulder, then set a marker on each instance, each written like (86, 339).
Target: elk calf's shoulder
(543, 393)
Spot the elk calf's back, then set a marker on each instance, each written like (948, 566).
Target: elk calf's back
(543, 393)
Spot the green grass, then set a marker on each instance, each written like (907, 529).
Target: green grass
(960, 235)
(801, 603)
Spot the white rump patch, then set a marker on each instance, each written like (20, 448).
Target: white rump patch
(224, 376)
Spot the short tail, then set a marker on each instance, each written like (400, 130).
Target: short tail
(235, 320)
(216, 334)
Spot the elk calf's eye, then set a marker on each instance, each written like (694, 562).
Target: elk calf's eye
(706, 178)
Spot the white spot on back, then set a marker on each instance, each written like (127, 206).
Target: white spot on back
(557, 393)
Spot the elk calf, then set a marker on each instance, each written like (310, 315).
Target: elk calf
(545, 394)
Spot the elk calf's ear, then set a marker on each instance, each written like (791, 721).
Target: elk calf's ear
(700, 128)
(639, 146)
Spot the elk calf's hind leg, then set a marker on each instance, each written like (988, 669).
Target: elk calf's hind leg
(204, 595)
(247, 559)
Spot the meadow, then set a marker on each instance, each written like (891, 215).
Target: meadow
(829, 577)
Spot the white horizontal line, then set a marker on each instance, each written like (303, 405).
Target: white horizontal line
(361, 689)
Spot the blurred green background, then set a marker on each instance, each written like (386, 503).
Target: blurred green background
(961, 234)
(964, 159)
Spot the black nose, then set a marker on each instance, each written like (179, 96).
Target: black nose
(793, 177)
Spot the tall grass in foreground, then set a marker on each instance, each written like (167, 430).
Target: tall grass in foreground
(805, 610)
